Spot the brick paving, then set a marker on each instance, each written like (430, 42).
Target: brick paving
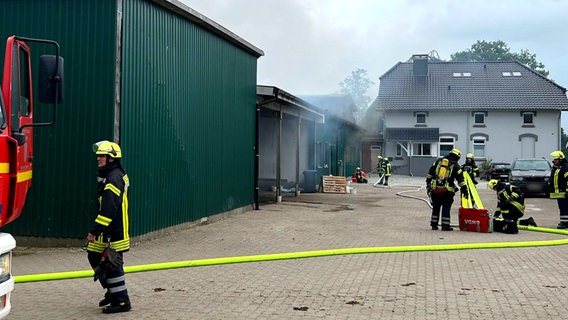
(506, 283)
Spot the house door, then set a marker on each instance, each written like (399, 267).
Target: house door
(528, 147)
(375, 152)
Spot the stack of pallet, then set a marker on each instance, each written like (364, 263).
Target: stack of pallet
(334, 184)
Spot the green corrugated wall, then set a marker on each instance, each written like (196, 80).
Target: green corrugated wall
(188, 119)
(186, 116)
(61, 201)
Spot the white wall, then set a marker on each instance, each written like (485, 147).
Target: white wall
(502, 127)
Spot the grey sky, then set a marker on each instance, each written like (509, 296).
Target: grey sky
(310, 46)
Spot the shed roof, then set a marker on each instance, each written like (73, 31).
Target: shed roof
(274, 98)
(198, 18)
(469, 85)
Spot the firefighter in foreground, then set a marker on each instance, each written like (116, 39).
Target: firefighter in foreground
(558, 186)
(109, 237)
(510, 207)
(441, 187)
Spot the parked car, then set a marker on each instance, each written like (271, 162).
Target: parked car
(498, 170)
(531, 175)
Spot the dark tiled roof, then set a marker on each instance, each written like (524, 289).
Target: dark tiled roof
(412, 134)
(486, 88)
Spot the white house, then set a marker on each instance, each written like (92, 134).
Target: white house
(498, 111)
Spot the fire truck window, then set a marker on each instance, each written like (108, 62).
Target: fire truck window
(24, 84)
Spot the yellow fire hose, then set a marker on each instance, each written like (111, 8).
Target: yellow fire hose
(302, 254)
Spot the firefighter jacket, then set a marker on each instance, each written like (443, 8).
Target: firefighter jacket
(111, 222)
(558, 183)
(471, 168)
(360, 176)
(508, 196)
(386, 168)
(448, 182)
(380, 167)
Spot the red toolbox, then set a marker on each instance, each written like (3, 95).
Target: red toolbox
(475, 220)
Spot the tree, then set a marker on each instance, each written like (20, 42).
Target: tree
(356, 85)
(499, 51)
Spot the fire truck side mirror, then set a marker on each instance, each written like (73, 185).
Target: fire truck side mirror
(50, 79)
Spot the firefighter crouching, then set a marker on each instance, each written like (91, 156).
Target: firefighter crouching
(510, 207)
(109, 237)
(359, 176)
(441, 187)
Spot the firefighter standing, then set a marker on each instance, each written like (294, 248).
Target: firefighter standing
(510, 203)
(470, 167)
(386, 171)
(558, 186)
(380, 166)
(441, 187)
(111, 225)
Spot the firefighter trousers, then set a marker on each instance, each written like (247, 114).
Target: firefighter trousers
(441, 203)
(115, 281)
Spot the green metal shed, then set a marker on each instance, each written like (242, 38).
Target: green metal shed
(175, 89)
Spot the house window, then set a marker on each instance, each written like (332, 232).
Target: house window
(446, 145)
(479, 118)
(420, 118)
(528, 118)
(421, 149)
(479, 147)
(398, 150)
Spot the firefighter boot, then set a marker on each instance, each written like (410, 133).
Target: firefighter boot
(562, 225)
(527, 222)
(123, 306)
(434, 226)
(447, 228)
(105, 301)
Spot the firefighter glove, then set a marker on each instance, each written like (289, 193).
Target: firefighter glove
(113, 259)
(463, 189)
(100, 273)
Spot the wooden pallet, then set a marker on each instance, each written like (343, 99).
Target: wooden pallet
(334, 184)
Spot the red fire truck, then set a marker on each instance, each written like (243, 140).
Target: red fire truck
(16, 137)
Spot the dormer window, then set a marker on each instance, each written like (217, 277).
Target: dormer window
(479, 118)
(528, 118)
(420, 119)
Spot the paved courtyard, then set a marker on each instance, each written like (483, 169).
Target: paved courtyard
(504, 283)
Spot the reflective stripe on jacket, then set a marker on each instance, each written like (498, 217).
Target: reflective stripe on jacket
(558, 181)
(112, 219)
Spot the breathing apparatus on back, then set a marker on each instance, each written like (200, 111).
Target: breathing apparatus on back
(443, 172)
